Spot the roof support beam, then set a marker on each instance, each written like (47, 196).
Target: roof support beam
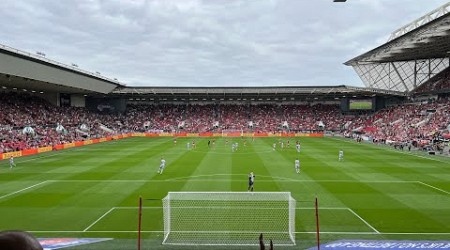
(399, 76)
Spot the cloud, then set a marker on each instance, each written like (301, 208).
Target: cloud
(208, 43)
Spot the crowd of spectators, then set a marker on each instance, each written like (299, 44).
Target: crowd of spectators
(440, 82)
(247, 118)
(405, 123)
(51, 125)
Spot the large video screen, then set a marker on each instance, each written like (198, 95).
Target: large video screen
(360, 104)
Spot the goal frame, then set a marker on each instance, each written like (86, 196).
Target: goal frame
(290, 202)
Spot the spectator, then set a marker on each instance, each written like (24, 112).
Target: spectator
(261, 243)
(18, 240)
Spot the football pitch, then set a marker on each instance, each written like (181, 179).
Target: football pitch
(375, 193)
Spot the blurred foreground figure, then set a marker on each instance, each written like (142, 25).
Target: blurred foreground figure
(18, 240)
(261, 243)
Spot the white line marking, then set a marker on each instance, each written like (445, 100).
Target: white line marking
(46, 155)
(101, 217)
(374, 233)
(81, 148)
(228, 180)
(391, 150)
(365, 222)
(210, 175)
(428, 185)
(298, 208)
(212, 151)
(24, 189)
(313, 232)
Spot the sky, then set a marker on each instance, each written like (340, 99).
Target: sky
(215, 43)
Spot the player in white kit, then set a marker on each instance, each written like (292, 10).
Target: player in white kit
(251, 180)
(341, 155)
(297, 165)
(162, 165)
(11, 162)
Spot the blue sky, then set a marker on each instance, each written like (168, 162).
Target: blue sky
(208, 42)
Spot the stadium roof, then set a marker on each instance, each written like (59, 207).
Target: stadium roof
(414, 54)
(425, 38)
(249, 92)
(19, 69)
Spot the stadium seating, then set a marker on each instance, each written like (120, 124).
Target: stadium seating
(440, 82)
(406, 122)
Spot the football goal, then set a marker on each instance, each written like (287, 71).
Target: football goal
(228, 218)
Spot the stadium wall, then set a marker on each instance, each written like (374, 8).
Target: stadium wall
(77, 101)
(33, 151)
(107, 105)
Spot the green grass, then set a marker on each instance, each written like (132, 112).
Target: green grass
(61, 194)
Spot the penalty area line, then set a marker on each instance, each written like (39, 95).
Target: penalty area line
(302, 232)
(431, 186)
(297, 208)
(365, 222)
(101, 217)
(390, 149)
(24, 189)
(275, 178)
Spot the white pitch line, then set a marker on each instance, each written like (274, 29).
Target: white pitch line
(24, 189)
(312, 232)
(101, 217)
(373, 233)
(18, 159)
(392, 150)
(298, 208)
(365, 222)
(82, 148)
(428, 185)
(100, 181)
(228, 180)
(285, 179)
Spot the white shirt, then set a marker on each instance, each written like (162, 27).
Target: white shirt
(252, 177)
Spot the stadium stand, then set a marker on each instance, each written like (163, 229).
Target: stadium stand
(440, 82)
(407, 89)
(21, 111)
(51, 125)
(406, 122)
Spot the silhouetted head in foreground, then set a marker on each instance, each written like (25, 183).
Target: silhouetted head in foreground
(18, 240)
(261, 243)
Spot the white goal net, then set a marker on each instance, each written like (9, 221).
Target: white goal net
(228, 218)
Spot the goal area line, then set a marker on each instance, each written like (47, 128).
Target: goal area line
(374, 231)
(299, 232)
(47, 182)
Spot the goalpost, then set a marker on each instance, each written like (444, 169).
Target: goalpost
(228, 218)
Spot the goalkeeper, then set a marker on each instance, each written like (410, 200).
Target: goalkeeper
(251, 180)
